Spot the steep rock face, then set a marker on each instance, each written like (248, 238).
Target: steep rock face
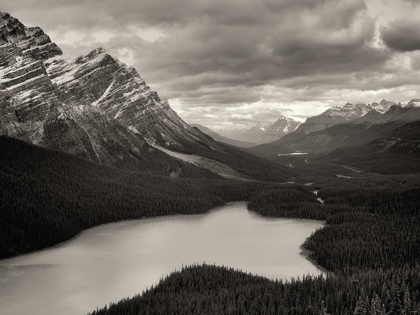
(93, 106)
(99, 80)
(19, 40)
(86, 132)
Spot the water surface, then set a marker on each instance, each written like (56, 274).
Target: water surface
(118, 260)
(291, 154)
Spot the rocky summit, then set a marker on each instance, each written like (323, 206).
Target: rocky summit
(338, 115)
(93, 106)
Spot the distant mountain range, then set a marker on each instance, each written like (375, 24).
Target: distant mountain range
(383, 137)
(263, 133)
(337, 115)
(348, 125)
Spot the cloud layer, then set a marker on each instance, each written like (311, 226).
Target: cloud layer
(402, 35)
(235, 63)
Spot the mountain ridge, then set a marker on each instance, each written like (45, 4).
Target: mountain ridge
(220, 138)
(93, 106)
(263, 132)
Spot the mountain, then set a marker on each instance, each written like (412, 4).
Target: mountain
(396, 151)
(336, 115)
(413, 103)
(93, 106)
(374, 117)
(264, 132)
(386, 143)
(368, 128)
(100, 109)
(220, 138)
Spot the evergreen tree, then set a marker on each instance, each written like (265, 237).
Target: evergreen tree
(376, 307)
(407, 303)
(362, 305)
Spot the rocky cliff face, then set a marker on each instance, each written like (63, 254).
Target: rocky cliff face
(93, 105)
(281, 127)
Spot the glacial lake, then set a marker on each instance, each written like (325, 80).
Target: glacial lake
(113, 261)
(292, 154)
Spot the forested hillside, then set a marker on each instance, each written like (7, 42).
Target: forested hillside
(48, 197)
(219, 290)
(370, 243)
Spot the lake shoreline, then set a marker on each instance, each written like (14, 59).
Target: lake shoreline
(58, 245)
(306, 253)
(136, 254)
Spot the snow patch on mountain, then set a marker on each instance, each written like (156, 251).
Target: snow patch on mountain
(263, 132)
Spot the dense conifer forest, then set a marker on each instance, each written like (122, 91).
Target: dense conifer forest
(220, 290)
(370, 245)
(48, 197)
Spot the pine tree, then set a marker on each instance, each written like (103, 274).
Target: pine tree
(323, 310)
(406, 301)
(362, 305)
(377, 308)
(395, 306)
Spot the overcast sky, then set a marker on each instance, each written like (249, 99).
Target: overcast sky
(227, 63)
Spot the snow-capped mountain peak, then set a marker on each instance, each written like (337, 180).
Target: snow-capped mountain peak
(342, 114)
(413, 103)
(264, 132)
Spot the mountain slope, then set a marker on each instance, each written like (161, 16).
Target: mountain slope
(334, 116)
(264, 133)
(220, 138)
(93, 106)
(100, 109)
(48, 196)
(396, 151)
(360, 131)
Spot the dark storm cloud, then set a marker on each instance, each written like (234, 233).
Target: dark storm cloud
(402, 35)
(235, 43)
